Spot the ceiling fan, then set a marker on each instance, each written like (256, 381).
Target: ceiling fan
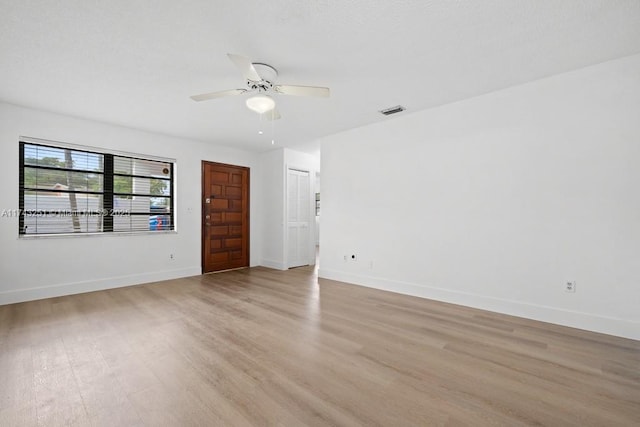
(260, 81)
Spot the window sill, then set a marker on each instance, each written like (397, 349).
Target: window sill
(89, 235)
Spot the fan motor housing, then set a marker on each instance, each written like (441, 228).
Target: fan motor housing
(268, 75)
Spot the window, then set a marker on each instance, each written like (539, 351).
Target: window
(65, 190)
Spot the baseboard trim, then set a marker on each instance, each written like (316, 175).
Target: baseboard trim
(273, 264)
(41, 292)
(590, 322)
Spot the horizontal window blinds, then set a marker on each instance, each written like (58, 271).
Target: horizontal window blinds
(67, 190)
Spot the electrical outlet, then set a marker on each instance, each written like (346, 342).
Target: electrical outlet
(570, 287)
(170, 256)
(346, 258)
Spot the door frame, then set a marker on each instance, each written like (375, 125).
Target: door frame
(311, 250)
(202, 212)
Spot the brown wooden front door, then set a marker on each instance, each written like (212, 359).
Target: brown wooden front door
(225, 217)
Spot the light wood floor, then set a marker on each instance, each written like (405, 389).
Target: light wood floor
(265, 347)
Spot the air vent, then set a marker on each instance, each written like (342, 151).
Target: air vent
(392, 110)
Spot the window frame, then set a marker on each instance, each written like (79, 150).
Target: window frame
(108, 192)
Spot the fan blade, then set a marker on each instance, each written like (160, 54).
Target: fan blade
(321, 92)
(245, 66)
(213, 95)
(272, 115)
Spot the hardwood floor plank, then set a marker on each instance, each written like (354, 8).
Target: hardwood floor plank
(258, 347)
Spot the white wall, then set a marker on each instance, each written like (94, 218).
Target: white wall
(301, 160)
(272, 214)
(45, 267)
(274, 166)
(495, 202)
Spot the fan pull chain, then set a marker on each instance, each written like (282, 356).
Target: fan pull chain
(260, 125)
(273, 137)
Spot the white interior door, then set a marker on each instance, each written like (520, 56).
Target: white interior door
(298, 217)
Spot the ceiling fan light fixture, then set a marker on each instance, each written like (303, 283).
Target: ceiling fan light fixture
(261, 103)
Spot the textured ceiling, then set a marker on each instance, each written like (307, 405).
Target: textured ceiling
(135, 63)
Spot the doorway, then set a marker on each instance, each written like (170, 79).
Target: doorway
(225, 217)
(299, 231)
